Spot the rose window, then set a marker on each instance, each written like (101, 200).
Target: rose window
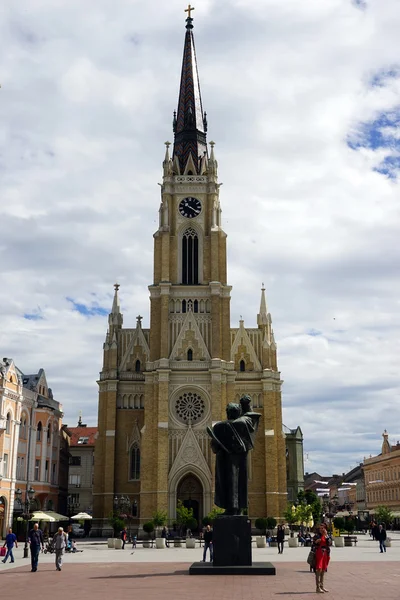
(190, 407)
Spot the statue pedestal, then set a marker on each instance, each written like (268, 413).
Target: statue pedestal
(232, 550)
(232, 541)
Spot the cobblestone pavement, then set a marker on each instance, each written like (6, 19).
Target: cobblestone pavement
(167, 581)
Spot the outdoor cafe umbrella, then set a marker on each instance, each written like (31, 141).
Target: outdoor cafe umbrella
(42, 516)
(82, 516)
(56, 515)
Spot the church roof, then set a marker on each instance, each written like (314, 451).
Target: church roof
(190, 124)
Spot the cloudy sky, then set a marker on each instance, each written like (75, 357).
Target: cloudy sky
(303, 103)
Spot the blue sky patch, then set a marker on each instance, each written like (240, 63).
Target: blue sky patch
(382, 132)
(34, 316)
(360, 3)
(92, 310)
(314, 332)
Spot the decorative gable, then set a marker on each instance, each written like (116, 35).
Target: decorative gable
(190, 338)
(138, 349)
(190, 454)
(242, 349)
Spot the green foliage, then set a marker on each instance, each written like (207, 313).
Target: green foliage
(383, 515)
(311, 499)
(116, 522)
(290, 515)
(183, 515)
(261, 524)
(214, 513)
(350, 526)
(192, 524)
(339, 523)
(304, 514)
(148, 527)
(206, 521)
(160, 518)
(271, 523)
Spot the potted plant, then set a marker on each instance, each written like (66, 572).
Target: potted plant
(191, 526)
(261, 525)
(349, 527)
(148, 528)
(159, 520)
(291, 518)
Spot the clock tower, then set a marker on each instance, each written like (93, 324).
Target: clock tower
(161, 387)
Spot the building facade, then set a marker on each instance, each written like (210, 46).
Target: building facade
(382, 477)
(30, 423)
(160, 387)
(81, 468)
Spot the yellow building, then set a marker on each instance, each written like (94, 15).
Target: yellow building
(382, 477)
(160, 387)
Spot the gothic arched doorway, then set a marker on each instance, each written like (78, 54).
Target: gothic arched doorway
(190, 491)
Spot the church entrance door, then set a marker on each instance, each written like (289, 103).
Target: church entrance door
(190, 492)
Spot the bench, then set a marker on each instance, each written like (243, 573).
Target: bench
(350, 540)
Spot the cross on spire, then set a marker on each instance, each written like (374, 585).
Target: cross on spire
(116, 286)
(189, 10)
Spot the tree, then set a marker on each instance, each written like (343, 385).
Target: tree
(383, 515)
(160, 518)
(304, 514)
(116, 522)
(262, 524)
(271, 522)
(310, 498)
(212, 515)
(206, 521)
(350, 525)
(148, 528)
(183, 516)
(339, 523)
(290, 516)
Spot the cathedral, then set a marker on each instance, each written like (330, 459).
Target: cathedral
(160, 387)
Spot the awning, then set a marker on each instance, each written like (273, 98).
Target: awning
(82, 516)
(342, 513)
(56, 515)
(49, 516)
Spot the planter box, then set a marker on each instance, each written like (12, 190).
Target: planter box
(118, 544)
(339, 541)
(111, 542)
(388, 543)
(177, 543)
(293, 542)
(190, 543)
(260, 541)
(160, 543)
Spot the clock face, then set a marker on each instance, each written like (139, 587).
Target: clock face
(190, 207)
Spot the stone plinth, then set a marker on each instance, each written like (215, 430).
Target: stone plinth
(232, 541)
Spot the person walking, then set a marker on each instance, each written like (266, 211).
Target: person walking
(36, 541)
(280, 538)
(164, 534)
(60, 543)
(208, 543)
(381, 537)
(11, 539)
(321, 546)
(123, 538)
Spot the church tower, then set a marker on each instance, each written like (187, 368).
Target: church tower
(160, 387)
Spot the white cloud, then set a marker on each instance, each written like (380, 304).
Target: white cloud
(87, 100)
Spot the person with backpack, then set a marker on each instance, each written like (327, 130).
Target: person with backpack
(123, 538)
(11, 539)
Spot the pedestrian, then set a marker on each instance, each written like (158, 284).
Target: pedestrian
(208, 543)
(123, 538)
(381, 537)
(11, 539)
(36, 541)
(134, 540)
(268, 538)
(321, 546)
(60, 543)
(375, 531)
(280, 538)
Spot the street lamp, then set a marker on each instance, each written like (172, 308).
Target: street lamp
(26, 504)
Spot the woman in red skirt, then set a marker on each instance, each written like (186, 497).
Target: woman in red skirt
(321, 545)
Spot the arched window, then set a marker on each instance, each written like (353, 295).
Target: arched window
(134, 466)
(190, 354)
(23, 428)
(242, 366)
(137, 366)
(39, 432)
(8, 424)
(183, 306)
(196, 306)
(190, 257)
(49, 434)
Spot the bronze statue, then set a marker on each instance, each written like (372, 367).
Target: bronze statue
(231, 441)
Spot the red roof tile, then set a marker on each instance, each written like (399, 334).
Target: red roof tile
(80, 433)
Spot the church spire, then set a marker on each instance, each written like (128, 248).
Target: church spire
(115, 316)
(190, 124)
(262, 317)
